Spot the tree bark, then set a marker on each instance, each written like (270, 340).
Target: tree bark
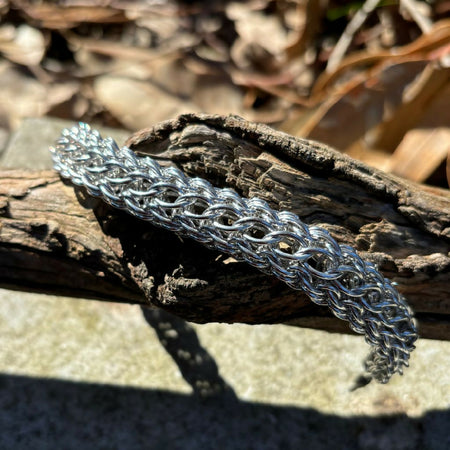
(54, 238)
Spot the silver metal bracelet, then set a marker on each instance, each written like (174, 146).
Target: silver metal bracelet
(277, 243)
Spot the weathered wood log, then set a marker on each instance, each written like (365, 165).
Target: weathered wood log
(56, 239)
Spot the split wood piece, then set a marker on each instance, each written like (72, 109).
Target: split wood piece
(55, 238)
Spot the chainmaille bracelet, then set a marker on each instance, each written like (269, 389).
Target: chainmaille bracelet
(277, 243)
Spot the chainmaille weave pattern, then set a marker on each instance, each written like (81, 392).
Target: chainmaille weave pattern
(277, 243)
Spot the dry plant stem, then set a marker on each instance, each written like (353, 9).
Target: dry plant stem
(423, 22)
(427, 43)
(55, 239)
(353, 26)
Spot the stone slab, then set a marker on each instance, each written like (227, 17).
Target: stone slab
(29, 144)
(87, 374)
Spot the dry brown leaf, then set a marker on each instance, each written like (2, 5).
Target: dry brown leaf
(431, 137)
(217, 96)
(438, 37)
(372, 157)
(420, 153)
(255, 79)
(422, 150)
(109, 48)
(55, 17)
(23, 96)
(448, 169)
(416, 98)
(359, 106)
(171, 74)
(23, 44)
(311, 15)
(90, 54)
(165, 26)
(262, 38)
(138, 104)
(59, 93)
(4, 138)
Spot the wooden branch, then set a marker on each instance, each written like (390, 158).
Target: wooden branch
(56, 239)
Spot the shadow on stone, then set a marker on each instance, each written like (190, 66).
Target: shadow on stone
(53, 414)
(196, 365)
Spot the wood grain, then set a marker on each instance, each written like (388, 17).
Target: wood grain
(56, 239)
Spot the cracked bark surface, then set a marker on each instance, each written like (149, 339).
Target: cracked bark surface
(56, 239)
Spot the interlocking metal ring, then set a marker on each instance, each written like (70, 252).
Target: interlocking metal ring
(277, 243)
